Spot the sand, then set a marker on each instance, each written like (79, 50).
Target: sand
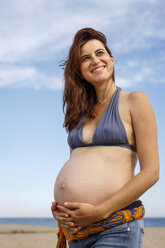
(24, 236)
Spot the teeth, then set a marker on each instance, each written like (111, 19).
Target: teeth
(98, 69)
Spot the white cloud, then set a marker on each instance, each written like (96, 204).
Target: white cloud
(43, 29)
(138, 72)
(47, 24)
(19, 77)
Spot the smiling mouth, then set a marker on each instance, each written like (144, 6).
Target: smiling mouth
(98, 69)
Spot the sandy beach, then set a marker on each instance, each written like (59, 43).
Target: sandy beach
(24, 236)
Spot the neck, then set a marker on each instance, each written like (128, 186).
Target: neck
(105, 92)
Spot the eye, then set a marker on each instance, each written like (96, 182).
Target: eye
(100, 53)
(85, 58)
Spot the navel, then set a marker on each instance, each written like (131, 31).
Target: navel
(62, 186)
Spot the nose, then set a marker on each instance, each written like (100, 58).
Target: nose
(95, 60)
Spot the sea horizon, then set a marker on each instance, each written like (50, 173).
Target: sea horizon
(50, 221)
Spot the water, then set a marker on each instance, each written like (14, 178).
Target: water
(148, 222)
(30, 221)
(154, 222)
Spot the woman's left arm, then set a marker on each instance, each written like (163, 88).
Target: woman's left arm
(145, 128)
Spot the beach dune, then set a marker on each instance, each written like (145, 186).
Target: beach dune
(24, 236)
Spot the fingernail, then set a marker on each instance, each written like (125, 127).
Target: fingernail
(66, 203)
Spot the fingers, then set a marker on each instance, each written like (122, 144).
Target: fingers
(72, 205)
(75, 229)
(63, 218)
(53, 208)
(65, 210)
(64, 214)
(79, 228)
(60, 214)
(54, 205)
(56, 213)
(72, 230)
(68, 225)
(53, 211)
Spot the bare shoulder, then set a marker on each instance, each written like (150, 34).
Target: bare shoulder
(135, 98)
(139, 102)
(133, 95)
(140, 108)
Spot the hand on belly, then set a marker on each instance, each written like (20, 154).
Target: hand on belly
(79, 215)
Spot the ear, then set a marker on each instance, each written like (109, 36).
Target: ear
(112, 59)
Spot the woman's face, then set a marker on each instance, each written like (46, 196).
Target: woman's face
(96, 65)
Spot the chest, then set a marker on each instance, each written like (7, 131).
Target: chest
(90, 125)
(104, 119)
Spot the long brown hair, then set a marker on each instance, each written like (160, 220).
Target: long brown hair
(79, 95)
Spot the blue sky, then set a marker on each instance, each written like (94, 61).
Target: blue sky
(34, 38)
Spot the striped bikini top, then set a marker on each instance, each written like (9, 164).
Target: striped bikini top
(110, 130)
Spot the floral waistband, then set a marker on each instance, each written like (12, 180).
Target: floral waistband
(117, 218)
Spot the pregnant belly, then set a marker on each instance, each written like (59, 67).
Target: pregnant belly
(90, 179)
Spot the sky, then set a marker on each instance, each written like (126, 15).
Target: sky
(34, 38)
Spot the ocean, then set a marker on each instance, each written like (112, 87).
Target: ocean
(148, 222)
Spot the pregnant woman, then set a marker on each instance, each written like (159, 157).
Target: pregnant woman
(96, 192)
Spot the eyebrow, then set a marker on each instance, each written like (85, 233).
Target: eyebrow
(95, 52)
